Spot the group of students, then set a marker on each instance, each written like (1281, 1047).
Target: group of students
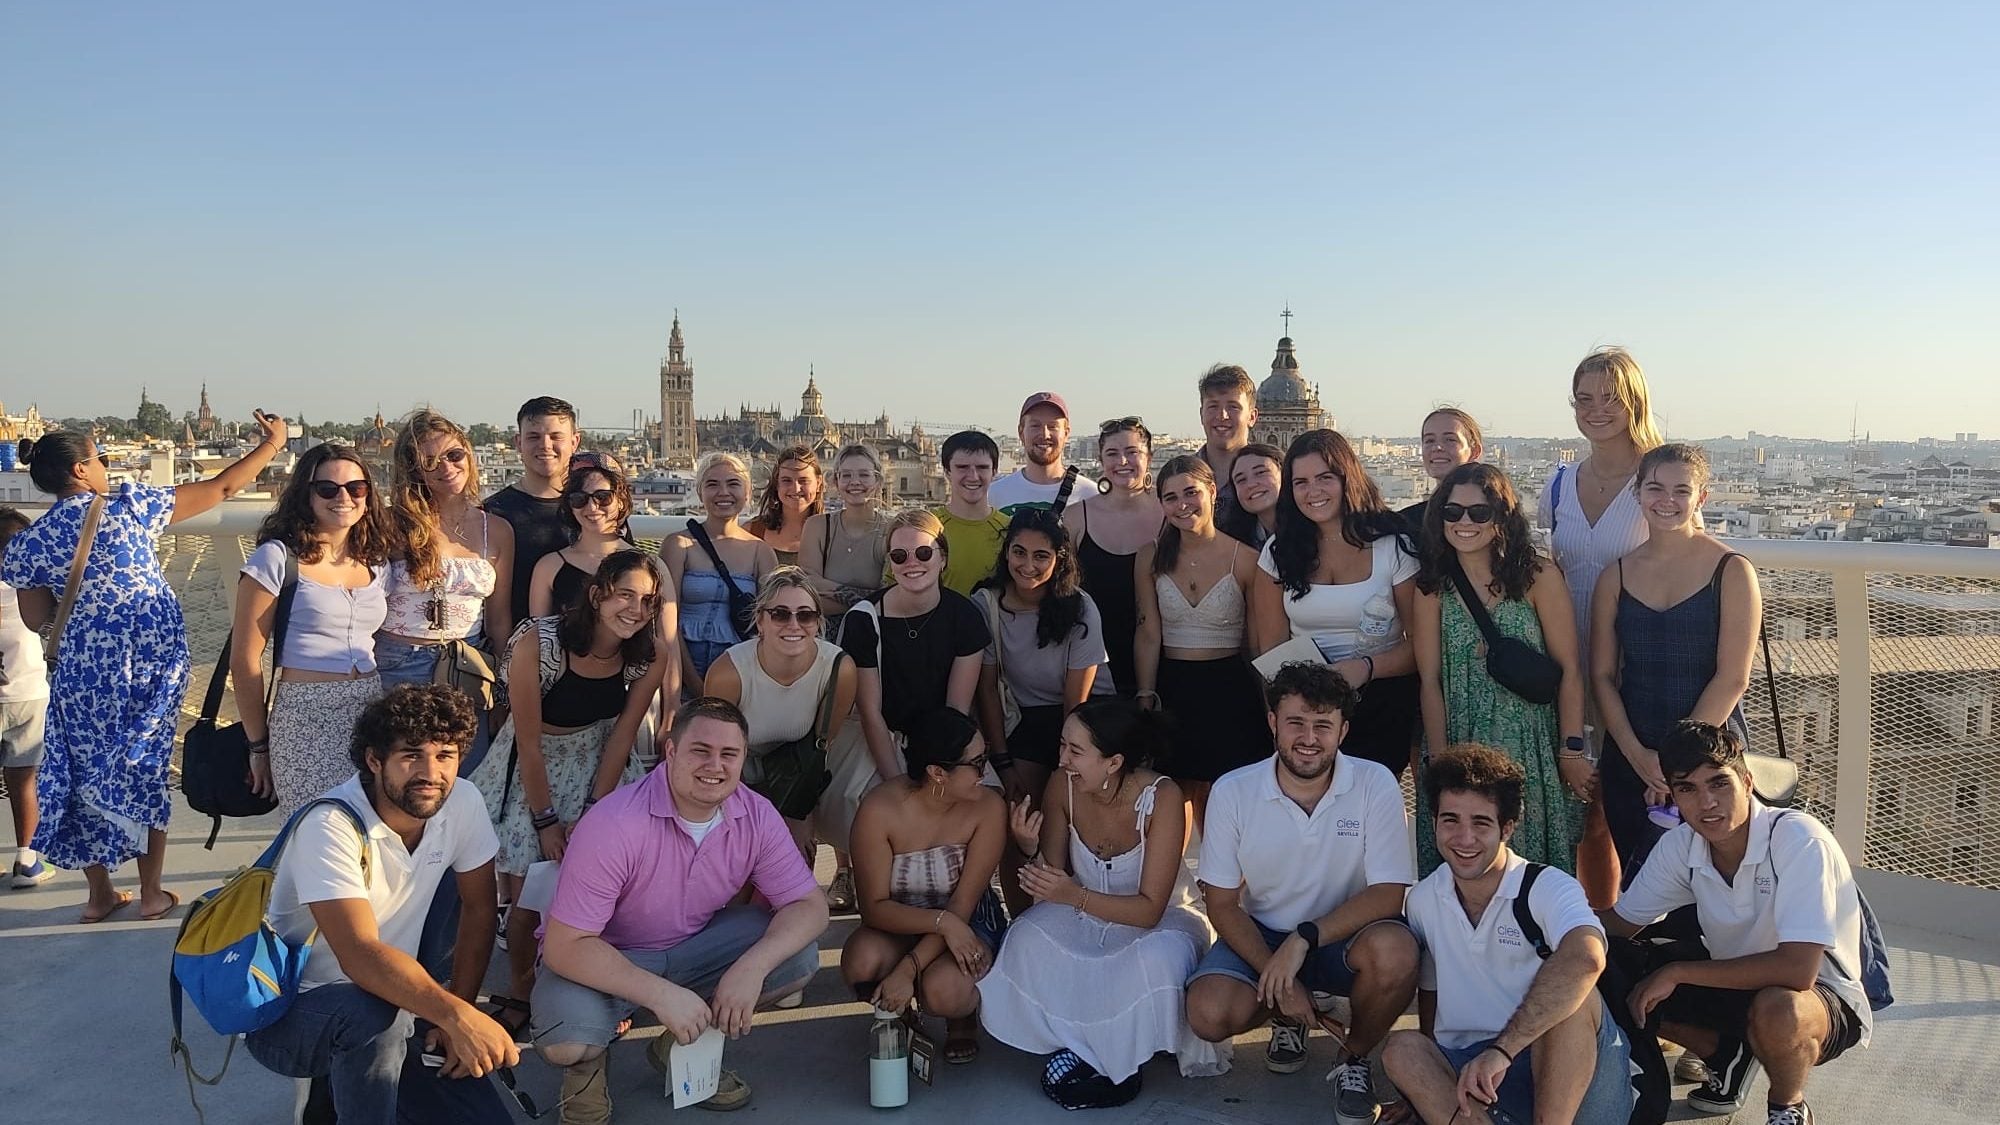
(1246, 642)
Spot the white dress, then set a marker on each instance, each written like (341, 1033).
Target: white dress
(1109, 992)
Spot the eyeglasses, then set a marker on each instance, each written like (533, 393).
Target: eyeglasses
(785, 615)
(521, 1098)
(925, 553)
(976, 765)
(603, 498)
(327, 489)
(1477, 513)
(452, 456)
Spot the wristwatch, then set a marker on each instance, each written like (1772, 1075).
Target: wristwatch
(1309, 930)
(1577, 746)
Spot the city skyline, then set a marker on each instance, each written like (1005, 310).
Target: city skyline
(942, 210)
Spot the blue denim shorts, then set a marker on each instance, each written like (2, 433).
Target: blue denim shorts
(1609, 1098)
(1325, 969)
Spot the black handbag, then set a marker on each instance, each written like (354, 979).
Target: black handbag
(215, 761)
(1513, 663)
(792, 775)
(742, 603)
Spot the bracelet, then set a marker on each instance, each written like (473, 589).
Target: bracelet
(1504, 1052)
(589, 801)
(258, 746)
(260, 753)
(1083, 902)
(1146, 693)
(937, 923)
(1371, 668)
(544, 821)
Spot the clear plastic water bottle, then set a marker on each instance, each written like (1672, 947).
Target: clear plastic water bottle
(1378, 618)
(888, 1061)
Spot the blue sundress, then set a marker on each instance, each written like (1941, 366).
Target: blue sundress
(115, 690)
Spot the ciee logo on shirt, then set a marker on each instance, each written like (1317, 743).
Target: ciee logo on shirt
(1347, 826)
(1764, 885)
(1508, 935)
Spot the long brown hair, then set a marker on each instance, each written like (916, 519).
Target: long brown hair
(770, 510)
(578, 630)
(1364, 518)
(1168, 550)
(371, 540)
(410, 503)
(1515, 562)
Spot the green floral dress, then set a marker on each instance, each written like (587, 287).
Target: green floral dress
(1477, 709)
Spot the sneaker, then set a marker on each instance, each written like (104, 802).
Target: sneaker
(1690, 1068)
(586, 1092)
(731, 1092)
(1286, 1053)
(1354, 1100)
(500, 927)
(1730, 1073)
(792, 1000)
(840, 893)
(1800, 1114)
(25, 877)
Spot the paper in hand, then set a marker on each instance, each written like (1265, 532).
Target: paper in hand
(694, 1071)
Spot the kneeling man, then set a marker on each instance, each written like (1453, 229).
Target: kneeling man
(362, 991)
(1504, 1029)
(1782, 921)
(1305, 858)
(642, 915)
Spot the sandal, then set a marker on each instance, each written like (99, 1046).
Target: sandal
(840, 893)
(961, 1041)
(512, 1014)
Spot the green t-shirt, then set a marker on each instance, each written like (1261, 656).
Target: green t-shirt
(972, 547)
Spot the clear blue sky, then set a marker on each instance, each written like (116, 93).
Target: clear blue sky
(1784, 209)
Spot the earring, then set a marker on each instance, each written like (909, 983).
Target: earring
(1105, 785)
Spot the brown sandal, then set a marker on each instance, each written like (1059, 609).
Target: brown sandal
(961, 1040)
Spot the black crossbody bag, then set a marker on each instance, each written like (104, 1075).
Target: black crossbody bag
(1513, 663)
(742, 605)
(215, 761)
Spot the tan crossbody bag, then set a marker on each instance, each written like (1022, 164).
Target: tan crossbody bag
(52, 636)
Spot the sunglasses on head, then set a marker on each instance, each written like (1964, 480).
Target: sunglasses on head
(452, 456)
(785, 615)
(899, 556)
(590, 459)
(1477, 513)
(1113, 425)
(603, 498)
(327, 489)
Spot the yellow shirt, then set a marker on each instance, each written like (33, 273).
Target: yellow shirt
(972, 547)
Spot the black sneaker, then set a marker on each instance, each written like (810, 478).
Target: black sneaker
(1730, 1073)
(1354, 1101)
(1800, 1114)
(1286, 1053)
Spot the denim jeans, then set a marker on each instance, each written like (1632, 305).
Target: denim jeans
(401, 662)
(1608, 1098)
(369, 1052)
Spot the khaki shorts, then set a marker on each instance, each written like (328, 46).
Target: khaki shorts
(21, 733)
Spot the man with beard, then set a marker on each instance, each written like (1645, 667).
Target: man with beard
(1044, 433)
(1304, 862)
(1512, 1019)
(645, 914)
(354, 1026)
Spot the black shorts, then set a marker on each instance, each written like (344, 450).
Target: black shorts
(1727, 1010)
(1038, 738)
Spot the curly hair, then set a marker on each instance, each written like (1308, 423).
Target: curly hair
(1061, 610)
(770, 509)
(1167, 550)
(578, 630)
(1318, 685)
(621, 491)
(1515, 561)
(1472, 768)
(410, 506)
(412, 715)
(372, 540)
(1364, 518)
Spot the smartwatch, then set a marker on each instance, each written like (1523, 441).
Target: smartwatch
(1309, 930)
(1577, 744)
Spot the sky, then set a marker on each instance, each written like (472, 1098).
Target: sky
(1786, 210)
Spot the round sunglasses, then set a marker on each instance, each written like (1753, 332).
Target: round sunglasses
(327, 490)
(453, 456)
(1477, 513)
(924, 554)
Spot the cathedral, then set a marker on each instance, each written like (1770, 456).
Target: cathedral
(1287, 405)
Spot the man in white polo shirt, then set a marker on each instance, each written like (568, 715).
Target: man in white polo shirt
(1304, 862)
(1780, 915)
(362, 990)
(1504, 1029)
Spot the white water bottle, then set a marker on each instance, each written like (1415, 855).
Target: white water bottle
(1378, 617)
(888, 1061)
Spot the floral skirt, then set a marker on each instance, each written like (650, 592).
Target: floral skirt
(312, 732)
(571, 763)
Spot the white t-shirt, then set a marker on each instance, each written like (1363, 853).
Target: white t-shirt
(1015, 491)
(322, 862)
(23, 674)
(1482, 973)
(1793, 885)
(1332, 614)
(1294, 866)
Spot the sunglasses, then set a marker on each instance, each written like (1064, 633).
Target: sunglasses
(452, 456)
(976, 765)
(1129, 422)
(1477, 513)
(603, 498)
(785, 615)
(899, 556)
(327, 490)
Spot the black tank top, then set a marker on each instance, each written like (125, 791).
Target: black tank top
(1109, 581)
(578, 701)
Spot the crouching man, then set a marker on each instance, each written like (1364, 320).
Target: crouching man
(1780, 916)
(642, 915)
(362, 991)
(1507, 1035)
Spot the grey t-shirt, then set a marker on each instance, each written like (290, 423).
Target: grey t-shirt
(1035, 674)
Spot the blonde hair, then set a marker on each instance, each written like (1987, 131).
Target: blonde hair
(411, 509)
(1627, 383)
(729, 459)
(874, 463)
(782, 579)
(918, 519)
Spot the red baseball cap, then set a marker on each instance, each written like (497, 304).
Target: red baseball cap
(1046, 398)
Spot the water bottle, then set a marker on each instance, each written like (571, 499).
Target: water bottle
(1378, 618)
(888, 1061)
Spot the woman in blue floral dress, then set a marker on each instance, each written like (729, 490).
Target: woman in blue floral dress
(117, 682)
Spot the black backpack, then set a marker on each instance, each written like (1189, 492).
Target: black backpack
(1652, 1086)
(215, 761)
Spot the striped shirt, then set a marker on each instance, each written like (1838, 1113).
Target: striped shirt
(1582, 549)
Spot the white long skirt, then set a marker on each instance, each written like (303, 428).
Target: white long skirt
(1111, 993)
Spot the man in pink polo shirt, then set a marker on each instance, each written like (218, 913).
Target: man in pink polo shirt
(641, 917)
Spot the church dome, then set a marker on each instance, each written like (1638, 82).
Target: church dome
(1284, 385)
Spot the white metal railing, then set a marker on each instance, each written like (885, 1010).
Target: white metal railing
(1888, 674)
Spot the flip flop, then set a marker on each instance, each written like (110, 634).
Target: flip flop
(159, 914)
(961, 1042)
(124, 900)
